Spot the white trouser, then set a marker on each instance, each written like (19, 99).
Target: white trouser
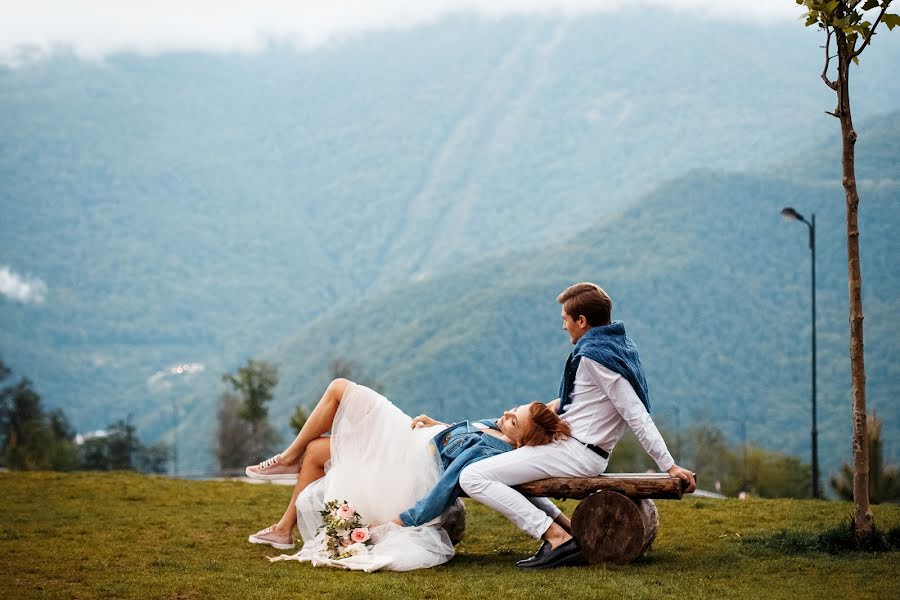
(489, 481)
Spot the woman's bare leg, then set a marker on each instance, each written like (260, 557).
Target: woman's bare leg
(319, 422)
(317, 453)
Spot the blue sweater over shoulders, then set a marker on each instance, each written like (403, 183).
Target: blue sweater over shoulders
(609, 346)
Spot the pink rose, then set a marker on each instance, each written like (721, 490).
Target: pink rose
(360, 534)
(345, 512)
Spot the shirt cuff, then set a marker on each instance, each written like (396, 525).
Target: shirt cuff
(667, 463)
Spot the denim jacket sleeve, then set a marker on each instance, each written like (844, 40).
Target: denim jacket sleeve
(445, 491)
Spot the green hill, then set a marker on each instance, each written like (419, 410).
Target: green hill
(196, 208)
(712, 285)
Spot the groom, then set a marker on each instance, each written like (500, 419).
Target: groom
(602, 391)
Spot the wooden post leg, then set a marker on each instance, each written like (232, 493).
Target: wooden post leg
(611, 527)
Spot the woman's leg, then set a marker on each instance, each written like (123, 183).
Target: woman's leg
(312, 451)
(317, 453)
(318, 423)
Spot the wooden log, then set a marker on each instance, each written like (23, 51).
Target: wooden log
(633, 485)
(611, 527)
(650, 517)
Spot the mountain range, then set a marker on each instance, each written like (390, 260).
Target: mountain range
(414, 200)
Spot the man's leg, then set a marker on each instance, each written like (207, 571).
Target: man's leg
(553, 512)
(490, 482)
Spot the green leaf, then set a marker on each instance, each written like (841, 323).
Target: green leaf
(856, 60)
(829, 8)
(891, 20)
(870, 4)
(811, 19)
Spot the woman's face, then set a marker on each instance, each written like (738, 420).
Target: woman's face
(515, 423)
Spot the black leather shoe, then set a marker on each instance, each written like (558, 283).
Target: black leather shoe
(544, 549)
(547, 557)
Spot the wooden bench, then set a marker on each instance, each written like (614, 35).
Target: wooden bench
(616, 520)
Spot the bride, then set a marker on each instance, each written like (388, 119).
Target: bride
(399, 474)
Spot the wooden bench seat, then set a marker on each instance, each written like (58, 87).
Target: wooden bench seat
(661, 486)
(616, 520)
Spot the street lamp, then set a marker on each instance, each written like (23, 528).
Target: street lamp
(175, 437)
(793, 215)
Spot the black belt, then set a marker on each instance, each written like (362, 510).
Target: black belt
(593, 448)
(597, 450)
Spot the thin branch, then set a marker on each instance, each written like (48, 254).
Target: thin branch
(868, 39)
(835, 115)
(828, 82)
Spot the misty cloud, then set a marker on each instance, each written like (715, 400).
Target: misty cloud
(93, 29)
(22, 289)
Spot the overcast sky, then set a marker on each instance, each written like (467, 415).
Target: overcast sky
(95, 28)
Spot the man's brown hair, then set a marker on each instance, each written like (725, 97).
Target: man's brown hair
(545, 426)
(587, 299)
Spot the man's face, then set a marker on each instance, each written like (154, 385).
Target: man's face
(575, 327)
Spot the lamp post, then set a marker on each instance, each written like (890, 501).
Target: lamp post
(791, 214)
(175, 438)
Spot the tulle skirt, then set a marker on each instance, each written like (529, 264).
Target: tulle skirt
(381, 466)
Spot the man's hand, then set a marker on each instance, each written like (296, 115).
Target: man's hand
(554, 406)
(424, 421)
(684, 474)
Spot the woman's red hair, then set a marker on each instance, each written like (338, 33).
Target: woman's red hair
(545, 426)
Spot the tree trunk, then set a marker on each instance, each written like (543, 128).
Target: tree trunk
(863, 518)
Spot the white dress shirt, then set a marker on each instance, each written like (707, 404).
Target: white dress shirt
(602, 404)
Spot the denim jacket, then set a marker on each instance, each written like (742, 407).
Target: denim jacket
(457, 446)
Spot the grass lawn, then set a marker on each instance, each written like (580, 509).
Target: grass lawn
(123, 535)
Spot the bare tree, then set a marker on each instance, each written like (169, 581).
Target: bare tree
(846, 23)
(233, 434)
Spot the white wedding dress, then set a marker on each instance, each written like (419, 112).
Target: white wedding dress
(381, 466)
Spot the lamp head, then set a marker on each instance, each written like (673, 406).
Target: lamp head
(791, 214)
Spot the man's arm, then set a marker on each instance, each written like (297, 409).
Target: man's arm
(632, 410)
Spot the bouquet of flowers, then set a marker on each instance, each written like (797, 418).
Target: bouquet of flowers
(344, 533)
